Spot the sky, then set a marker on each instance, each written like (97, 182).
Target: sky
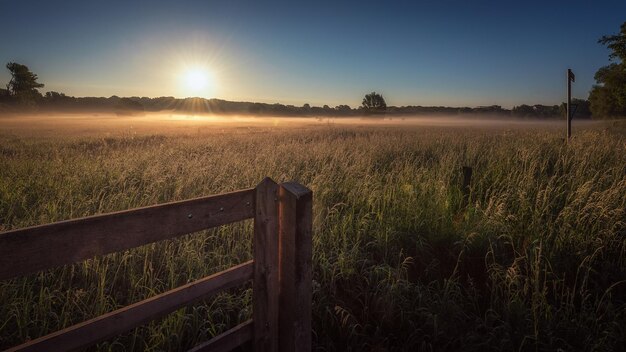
(452, 53)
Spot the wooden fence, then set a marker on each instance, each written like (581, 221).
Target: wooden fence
(281, 269)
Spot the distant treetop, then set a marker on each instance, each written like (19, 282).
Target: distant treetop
(23, 84)
(617, 43)
(374, 101)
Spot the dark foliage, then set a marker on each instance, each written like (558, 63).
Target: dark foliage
(608, 96)
(23, 84)
(374, 101)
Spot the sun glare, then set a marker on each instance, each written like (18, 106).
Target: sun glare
(197, 81)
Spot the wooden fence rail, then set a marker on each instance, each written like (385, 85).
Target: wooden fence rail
(281, 269)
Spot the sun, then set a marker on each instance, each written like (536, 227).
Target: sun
(197, 81)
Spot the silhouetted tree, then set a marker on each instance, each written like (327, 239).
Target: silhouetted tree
(132, 104)
(537, 111)
(523, 111)
(54, 95)
(23, 84)
(617, 44)
(608, 96)
(374, 101)
(490, 109)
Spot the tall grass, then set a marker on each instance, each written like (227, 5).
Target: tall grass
(536, 261)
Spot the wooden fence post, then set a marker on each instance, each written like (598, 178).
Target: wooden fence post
(295, 213)
(266, 270)
(281, 269)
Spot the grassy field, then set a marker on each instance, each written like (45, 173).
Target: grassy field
(537, 260)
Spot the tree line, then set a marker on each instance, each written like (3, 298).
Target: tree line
(607, 98)
(55, 101)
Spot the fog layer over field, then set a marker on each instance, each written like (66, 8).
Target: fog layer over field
(110, 123)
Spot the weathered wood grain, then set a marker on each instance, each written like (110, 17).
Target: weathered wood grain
(42, 247)
(295, 214)
(266, 271)
(110, 324)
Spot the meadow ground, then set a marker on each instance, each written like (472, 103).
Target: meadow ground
(536, 261)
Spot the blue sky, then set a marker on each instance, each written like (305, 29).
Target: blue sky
(454, 53)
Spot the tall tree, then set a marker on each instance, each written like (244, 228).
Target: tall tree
(608, 96)
(617, 44)
(374, 101)
(23, 84)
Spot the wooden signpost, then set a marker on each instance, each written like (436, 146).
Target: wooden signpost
(570, 78)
